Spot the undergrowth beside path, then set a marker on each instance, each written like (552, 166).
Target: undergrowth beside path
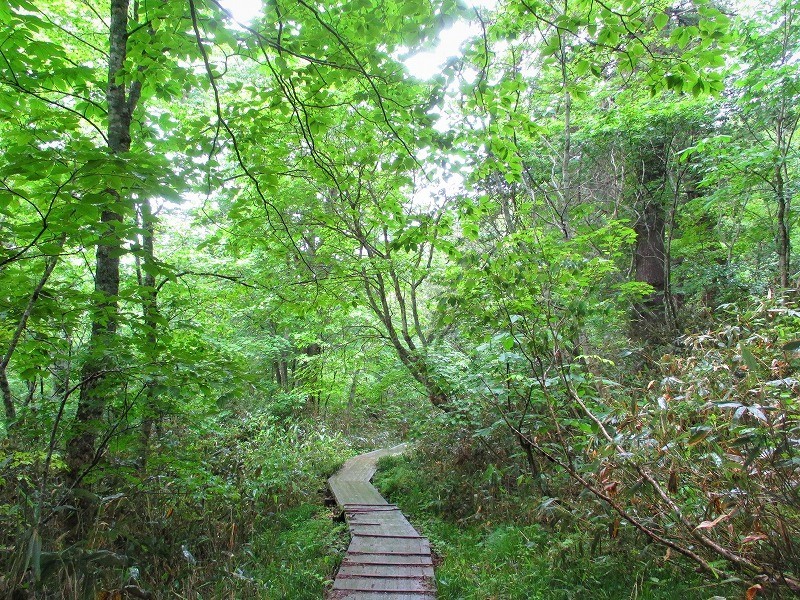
(236, 512)
(511, 556)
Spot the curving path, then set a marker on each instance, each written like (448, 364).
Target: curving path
(387, 558)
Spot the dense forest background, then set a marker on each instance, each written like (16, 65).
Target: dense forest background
(234, 254)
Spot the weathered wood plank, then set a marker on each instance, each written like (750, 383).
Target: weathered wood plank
(380, 584)
(390, 569)
(362, 595)
(387, 558)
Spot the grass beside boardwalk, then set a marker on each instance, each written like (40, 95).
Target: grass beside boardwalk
(298, 553)
(483, 557)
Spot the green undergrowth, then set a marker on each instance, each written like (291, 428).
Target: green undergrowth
(491, 555)
(266, 486)
(225, 509)
(296, 554)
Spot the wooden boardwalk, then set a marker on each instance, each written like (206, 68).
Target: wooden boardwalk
(387, 558)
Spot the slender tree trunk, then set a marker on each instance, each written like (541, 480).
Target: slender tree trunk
(62, 370)
(100, 361)
(8, 399)
(150, 315)
(407, 351)
(675, 178)
(308, 376)
(283, 367)
(783, 243)
(506, 202)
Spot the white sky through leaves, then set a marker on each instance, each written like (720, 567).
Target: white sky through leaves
(423, 64)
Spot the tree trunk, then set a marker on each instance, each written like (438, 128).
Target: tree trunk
(309, 375)
(150, 315)
(100, 360)
(783, 243)
(283, 367)
(649, 260)
(62, 371)
(8, 399)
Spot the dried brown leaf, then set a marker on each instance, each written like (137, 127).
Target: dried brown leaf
(672, 484)
(613, 529)
(752, 591)
(714, 523)
(754, 537)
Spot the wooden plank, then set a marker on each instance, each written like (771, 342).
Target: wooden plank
(384, 595)
(392, 570)
(392, 536)
(373, 545)
(423, 557)
(391, 584)
(387, 558)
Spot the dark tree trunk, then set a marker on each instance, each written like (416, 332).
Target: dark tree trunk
(99, 363)
(784, 247)
(310, 375)
(649, 260)
(650, 251)
(8, 398)
(281, 370)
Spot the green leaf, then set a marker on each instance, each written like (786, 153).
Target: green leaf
(698, 435)
(660, 20)
(674, 82)
(792, 346)
(750, 360)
